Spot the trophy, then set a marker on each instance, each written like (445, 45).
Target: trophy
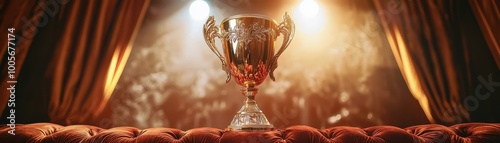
(249, 56)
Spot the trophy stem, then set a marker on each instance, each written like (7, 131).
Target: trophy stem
(250, 117)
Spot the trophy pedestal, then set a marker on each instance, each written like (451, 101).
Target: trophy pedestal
(250, 117)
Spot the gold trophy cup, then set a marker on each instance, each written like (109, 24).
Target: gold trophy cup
(248, 43)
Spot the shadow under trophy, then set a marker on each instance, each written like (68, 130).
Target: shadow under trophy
(249, 56)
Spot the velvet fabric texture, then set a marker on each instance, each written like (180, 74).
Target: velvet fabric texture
(75, 52)
(53, 133)
(444, 58)
(487, 14)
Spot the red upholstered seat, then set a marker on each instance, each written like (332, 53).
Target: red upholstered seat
(432, 133)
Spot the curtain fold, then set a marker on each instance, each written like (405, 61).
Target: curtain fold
(487, 14)
(91, 44)
(94, 46)
(24, 17)
(436, 47)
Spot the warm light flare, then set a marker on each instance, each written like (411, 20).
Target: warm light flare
(310, 17)
(199, 10)
(309, 8)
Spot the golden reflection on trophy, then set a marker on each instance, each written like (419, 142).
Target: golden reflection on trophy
(249, 56)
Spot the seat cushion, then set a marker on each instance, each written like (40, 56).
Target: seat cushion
(53, 133)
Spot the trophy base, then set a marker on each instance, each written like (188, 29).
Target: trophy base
(250, 117)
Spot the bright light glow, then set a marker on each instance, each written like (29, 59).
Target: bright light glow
(334, 119)
(310, 18)
(309, 8)
(199, 10)
(310, 25)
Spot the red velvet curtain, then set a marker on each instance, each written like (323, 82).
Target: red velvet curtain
(487, 14)
(24, 17)
(82, 47)
(443, 57)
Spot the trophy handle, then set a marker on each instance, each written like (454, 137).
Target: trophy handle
(287, 28)
(210, 32)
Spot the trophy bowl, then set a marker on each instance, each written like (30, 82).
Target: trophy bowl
(248, 42)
